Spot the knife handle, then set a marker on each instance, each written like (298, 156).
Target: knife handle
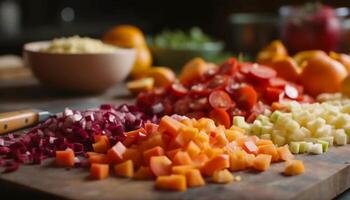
(11, 121)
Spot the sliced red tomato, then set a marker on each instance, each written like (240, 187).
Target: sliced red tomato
(220, 116)
(232, 85)
(274, 94)
(229, 67)
(181, 106)
(178, 90)
(277, 82)
(220, 99)
(262, 73)
(218, 82)
(245, 67)
(246, 97)
(199, 104)
(291, 91)
(200, 89)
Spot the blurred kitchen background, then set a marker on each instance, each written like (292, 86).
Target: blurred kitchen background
(243, 25)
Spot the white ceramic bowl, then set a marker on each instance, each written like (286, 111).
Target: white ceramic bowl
(87, 72)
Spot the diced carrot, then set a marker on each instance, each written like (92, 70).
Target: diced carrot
(250, 147)
(173, 182)
(236, 128)
(263, 142)
(284, 153)
(262, 162)
(193, 149)
(212, 152)
(124, 169)
(169, 125)
(219, 138)
(238, 161)
(100, 146)
(134, 155)
(200, 159)
(222, 176)
(194, 178)
(99, 158)
(232, 135)
(91, 153)
(150, 127)
(271, 150)
(181, 169)
(182, 158)
(185, 135)
(65, 158)
(217, 163)
(171, 153)
(115, 153)
(97, 138)
(155, 151)
(99, 171)
(220, 116)
(160, 165)
(249, 159)
(153, 141)
(294, 167)
(143, 173)
(187, 122)
(133, 136)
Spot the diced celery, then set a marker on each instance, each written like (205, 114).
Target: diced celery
(329, 139)
(316, 148)
(341, 121)
(275, 115)
(294, 147)
(279, 140)
(315, 124)
(297, 135)
(264, 119)
(240, 122)
(313, 140)
(266, 129)
(303, 147)
(346, 108)
(256, 128)
(340, 137)
(324, 145)
(306, 132)
(323, 131)
(265, 136)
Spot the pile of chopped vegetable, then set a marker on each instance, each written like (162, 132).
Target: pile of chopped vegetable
(76, 130)
(182, 152)
(234, 88)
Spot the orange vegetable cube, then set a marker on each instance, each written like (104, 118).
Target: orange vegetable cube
(185, 135)
(181, 169)
(217, 163)
(212, 152)
(187, 122)
(150, 127)
(99, 158)
(193, 149)
(173, 182)
(134, 155)
(65, 158)
(143, 173)
(262, 162)
(102, 137)
(271, 150)
(294, 167)
(101, 146)
(91, 153)
(222, 176)
(284, 153)
(153, 141)
(124, 169)
(232, 135)
(250, 147)
(169, 125)
(115, 153)
(194, 178)
(200, 159)
(171, 154)
(236, 128)
(219, 139)
(182, 158)
(249, 159)
(99, 171)
(155, 151)
(133, 136)
(238, 161)
(263, 142)
(160, 165)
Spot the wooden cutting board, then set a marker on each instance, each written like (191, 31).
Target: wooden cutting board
(326, 177)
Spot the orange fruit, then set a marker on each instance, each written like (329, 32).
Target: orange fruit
(193, 70)
(322, 75)
(286, 68)
(140, 85)
(163, 76)
(142, 63)
(274, 51)
(126, 36)
(303, 56)
(342, 58)
(345, 86)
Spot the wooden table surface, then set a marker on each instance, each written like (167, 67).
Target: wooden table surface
(58, 183)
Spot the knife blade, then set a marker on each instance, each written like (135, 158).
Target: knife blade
(12, 121)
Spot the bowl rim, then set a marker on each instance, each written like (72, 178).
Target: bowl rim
(28, 47)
